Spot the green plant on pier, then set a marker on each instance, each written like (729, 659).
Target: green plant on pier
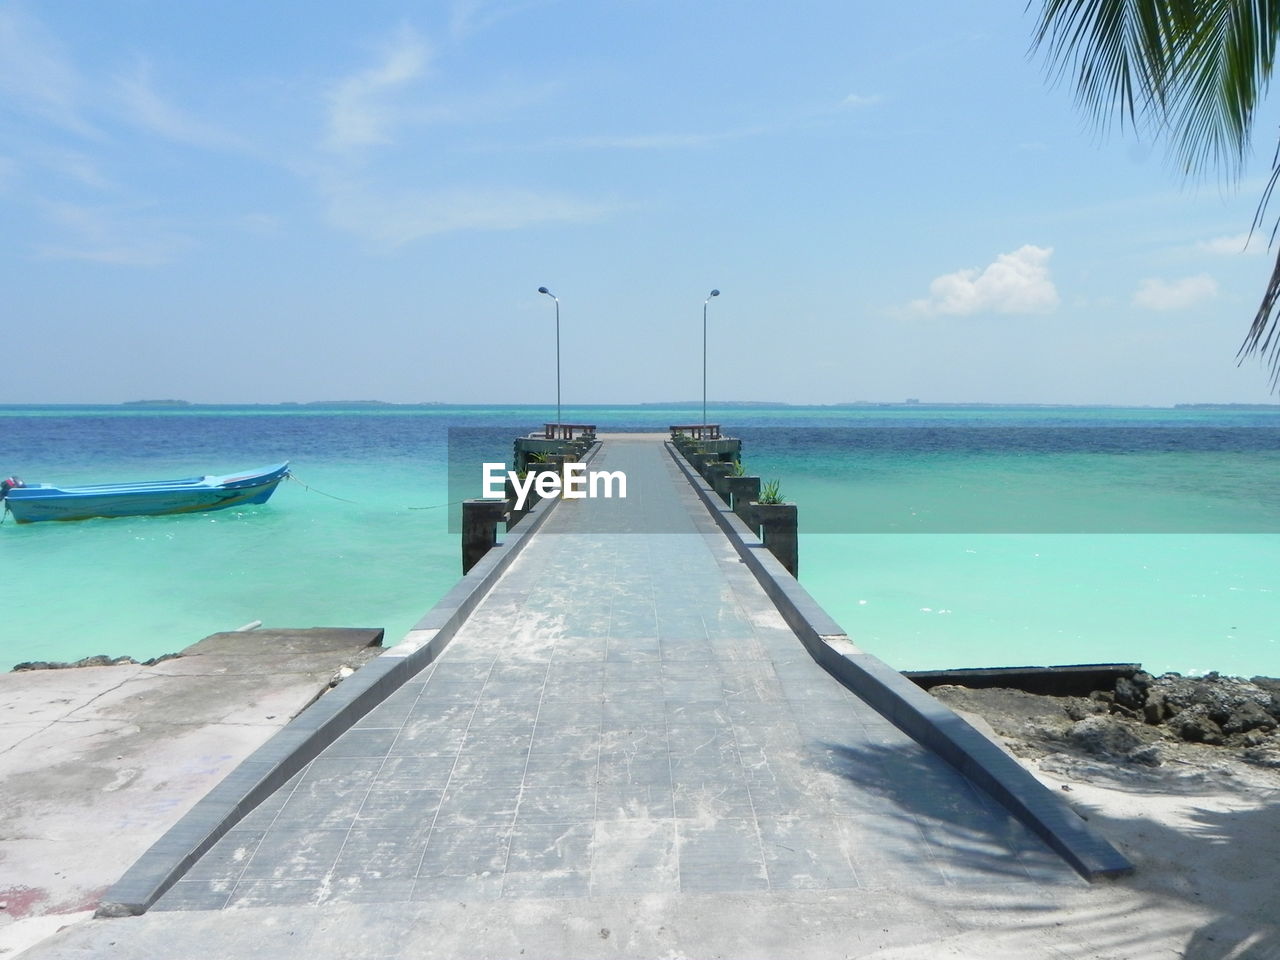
(736, 469)
(771, 492)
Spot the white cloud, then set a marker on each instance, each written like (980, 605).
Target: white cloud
(471, 16)
(1234, 244)
(392, 219)
(36, 74)
(1016, 282)
(652, 141)
(76, 166)
(147, 109)
(1156, 294)
(861, 100)
(104, 235)
(360, 113)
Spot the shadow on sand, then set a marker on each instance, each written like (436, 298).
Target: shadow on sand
(1134, 917)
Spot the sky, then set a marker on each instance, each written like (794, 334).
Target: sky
(295, 201)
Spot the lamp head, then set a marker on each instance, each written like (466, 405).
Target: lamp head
(546, 291)
(714, 293)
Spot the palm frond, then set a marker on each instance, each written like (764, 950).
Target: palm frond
(1224, 54)
(1192, 72)
(1118, 51)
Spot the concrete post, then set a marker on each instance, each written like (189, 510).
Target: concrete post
(514, 516)
(778, 530)
(717, 473)
(743, 490)
(480, 519)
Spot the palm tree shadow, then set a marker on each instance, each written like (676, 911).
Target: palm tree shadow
(927, 811)
(973, 841)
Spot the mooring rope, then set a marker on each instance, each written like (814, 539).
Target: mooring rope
(290, 475)
(437, 506)
(297, 480)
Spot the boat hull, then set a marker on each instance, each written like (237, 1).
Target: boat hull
(45, 502)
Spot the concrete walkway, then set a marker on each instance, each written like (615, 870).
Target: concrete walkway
(625, 714)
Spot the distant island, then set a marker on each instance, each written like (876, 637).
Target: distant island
(1226, 406)
(691, 405)
(350, 403)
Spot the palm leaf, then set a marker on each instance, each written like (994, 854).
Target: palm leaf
(1190, 71)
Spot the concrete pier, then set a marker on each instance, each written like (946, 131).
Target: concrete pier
(624, 713)
(641, 718)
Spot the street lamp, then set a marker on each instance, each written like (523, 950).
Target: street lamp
(714, 293)
(557, 300)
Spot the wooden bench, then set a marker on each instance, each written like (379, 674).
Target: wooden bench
(698, 431)
(565, 431)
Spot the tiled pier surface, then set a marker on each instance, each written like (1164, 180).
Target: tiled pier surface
(625, 714)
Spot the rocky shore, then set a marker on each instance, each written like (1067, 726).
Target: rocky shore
(98, 660)
(1145, 720)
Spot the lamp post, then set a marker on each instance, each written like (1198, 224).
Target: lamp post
(557, 300)
(714, 293)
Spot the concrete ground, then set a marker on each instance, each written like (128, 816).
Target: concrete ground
(97, 762)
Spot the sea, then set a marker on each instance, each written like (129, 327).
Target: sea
(937, 536)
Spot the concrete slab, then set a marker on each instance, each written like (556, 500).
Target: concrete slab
(97, 762)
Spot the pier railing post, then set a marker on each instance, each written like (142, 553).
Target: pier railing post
(778, 530)
(742, 491)
(716, 473)
(480, 519)
(514, 516)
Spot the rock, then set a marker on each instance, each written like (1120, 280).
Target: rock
(100, 660)
(1155, 709)
(1273, 706)
(1149, 755)
(1248, 716)
(1128, 694)
(161, 659)
(344, 671)
(1123, 711)
(1077, 708)
(1271, 684)
(1105, 736)
(1196, 726)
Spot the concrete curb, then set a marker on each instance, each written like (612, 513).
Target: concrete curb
(301, 740)
(912, 710)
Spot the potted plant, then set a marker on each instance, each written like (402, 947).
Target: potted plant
(778, 525)
(740, 491)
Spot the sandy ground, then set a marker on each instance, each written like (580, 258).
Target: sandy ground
(1202, 829)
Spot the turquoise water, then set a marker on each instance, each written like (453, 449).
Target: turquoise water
(1152, 538)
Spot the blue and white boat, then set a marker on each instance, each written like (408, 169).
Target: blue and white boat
(30, 503)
